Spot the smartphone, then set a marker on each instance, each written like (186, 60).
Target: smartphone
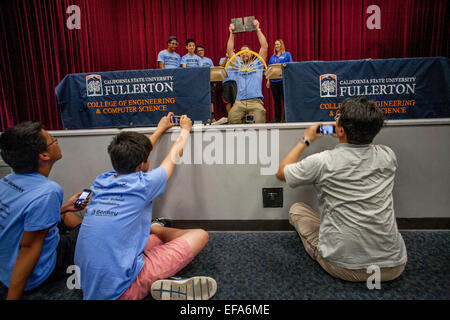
(84, 195)
(175, 119)
(329, 129)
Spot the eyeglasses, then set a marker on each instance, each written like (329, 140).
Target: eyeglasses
(54, 140)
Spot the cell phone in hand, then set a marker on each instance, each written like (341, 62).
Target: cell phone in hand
(84, 195)
(328, 129)
(175, 120)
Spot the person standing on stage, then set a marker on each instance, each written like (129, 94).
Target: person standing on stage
(249, 100)
(229, 87)
(206, 62)
(169, 59)
(190, 59)
(280, 55)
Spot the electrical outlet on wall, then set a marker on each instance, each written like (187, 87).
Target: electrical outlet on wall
(272, 197)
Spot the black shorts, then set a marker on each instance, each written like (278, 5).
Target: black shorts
(212, 85)
(229, 91)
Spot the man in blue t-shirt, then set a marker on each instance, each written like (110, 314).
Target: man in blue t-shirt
(249, 100)
(205, 61)
(35, 248)
(229, 87)
(121, 255)
(190, 59)
(169, 59)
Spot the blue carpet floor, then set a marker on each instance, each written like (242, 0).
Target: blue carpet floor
(273, 266)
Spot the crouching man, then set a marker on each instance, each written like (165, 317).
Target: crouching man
(355, 227)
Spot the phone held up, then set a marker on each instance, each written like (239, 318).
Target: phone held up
(328, 129)
(84, 195)
(175, 120)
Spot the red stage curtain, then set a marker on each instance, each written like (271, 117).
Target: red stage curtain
(38, 50)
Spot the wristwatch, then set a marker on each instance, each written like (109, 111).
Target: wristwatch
(305, 141)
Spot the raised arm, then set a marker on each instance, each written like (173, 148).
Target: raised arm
(310, 135)
(163, 125)
(262, 40)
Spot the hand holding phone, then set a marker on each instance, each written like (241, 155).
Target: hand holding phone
(84, 195)
(328, 129)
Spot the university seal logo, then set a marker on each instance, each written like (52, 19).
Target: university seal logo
(94, 85)
(328, 85)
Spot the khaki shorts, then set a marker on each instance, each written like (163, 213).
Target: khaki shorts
(307, 223)
(253, 107)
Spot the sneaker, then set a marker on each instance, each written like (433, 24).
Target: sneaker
(195, 288)
(164, 222)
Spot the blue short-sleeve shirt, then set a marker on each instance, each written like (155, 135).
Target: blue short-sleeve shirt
(115, 230)
(28, 202)
(170, 60)
(206, 62)
(249, 83)
(191, 61)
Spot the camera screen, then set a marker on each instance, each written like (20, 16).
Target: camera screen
(329, 129)
(176, 119)
(83, 196)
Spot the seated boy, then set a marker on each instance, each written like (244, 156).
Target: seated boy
(35, 246)
(190, 59)
(119, 253)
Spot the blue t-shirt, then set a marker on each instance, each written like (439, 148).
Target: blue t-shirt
(115, 230)
(170, 60)
(230, 75)
(28, 202)
(282, 58)
(249, 83)
(191, 61)
(206, 62)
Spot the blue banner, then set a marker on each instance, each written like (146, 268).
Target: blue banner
(133, 98)
(410, 88)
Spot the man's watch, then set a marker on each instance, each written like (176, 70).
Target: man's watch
(305, 141)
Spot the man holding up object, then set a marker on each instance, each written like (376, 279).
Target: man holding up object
(249, 99)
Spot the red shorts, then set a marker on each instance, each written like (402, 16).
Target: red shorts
(162, 260)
